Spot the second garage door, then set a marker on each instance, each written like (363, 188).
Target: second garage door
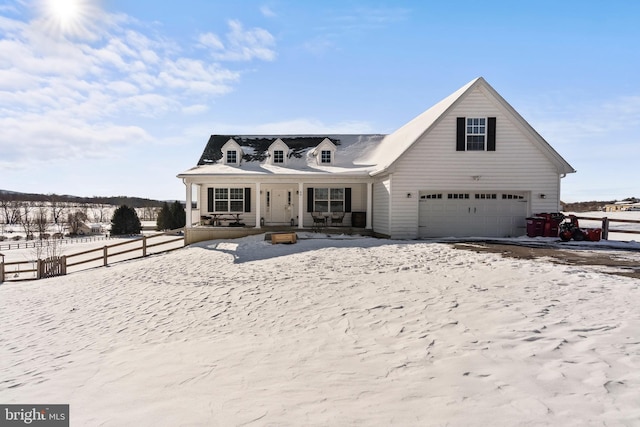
(472, 214)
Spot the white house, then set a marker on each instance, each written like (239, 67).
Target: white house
(468, 166)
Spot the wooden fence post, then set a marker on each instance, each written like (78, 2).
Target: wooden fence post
(605, 228)
(144, 246)
(1, 268)
(63, 270)
(39, 269)
(106, 257)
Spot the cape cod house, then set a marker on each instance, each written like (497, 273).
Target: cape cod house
(468, 166)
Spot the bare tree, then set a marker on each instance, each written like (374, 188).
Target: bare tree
(98, 212)
(57, 212)
(75, 221)
(11, 210)
(41, 221)
(27, 221)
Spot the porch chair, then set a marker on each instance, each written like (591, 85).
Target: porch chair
(319, 220)
(336, 218)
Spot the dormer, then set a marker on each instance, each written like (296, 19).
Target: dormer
(231, 153)
(278, 153)
(325, 153)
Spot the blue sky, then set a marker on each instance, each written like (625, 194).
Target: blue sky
(116, 97)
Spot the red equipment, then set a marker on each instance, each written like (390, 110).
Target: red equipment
(570, 229)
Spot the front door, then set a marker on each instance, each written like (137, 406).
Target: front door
(278, 204)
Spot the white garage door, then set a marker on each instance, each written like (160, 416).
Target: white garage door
(472, 214)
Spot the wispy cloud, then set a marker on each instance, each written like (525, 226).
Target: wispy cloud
(574, 123)
(341, 24)
(65, 96)
(363, 19)
(240, 44)
(268, 12)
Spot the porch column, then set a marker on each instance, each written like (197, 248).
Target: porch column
(258, 198)
(300, 205)
(189, 214)
(368, 225)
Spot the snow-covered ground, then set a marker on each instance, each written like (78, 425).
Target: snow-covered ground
(328, 331)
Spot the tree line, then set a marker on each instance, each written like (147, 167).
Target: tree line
(135, 202)
(54, 218)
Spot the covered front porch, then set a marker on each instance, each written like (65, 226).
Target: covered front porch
(232, 207)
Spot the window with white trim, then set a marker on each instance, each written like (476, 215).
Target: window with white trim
(328, 199)
(325, 156)
(476, 133)
(278, 156)
(228, 200)
(232, 157)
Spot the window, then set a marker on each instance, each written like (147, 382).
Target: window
(328, 200)
(232, 157)
(325, 156)
(486, 196)
(432, 196)
(278, 156)
(476, 132)
(457, 196)
(228, 199)
(512, 197)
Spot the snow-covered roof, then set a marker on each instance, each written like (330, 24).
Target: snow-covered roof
(356, 154)
(350, 157)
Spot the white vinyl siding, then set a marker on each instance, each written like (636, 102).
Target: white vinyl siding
(381, 206)
(433, 163)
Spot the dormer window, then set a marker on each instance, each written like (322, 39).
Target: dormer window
(278, 156)
(278, 152)
(232, 153)
(232, 157)
(325, 156)
(325, 152)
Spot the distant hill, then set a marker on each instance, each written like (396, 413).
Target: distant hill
(592, 206)
(136, 202)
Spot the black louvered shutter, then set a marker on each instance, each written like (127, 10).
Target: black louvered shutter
(460, 134)
(309, 199)
(347, 199)
(209, 199)
(491, 134)
(247, 199)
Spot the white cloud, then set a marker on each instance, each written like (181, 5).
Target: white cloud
(572, 124)
(240, 44)
(268, 12)
(211, 40)
(195, 109)
(67, 97)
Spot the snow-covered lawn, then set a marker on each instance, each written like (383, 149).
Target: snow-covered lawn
(328, 331)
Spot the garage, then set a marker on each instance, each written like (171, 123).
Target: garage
(472, 214)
